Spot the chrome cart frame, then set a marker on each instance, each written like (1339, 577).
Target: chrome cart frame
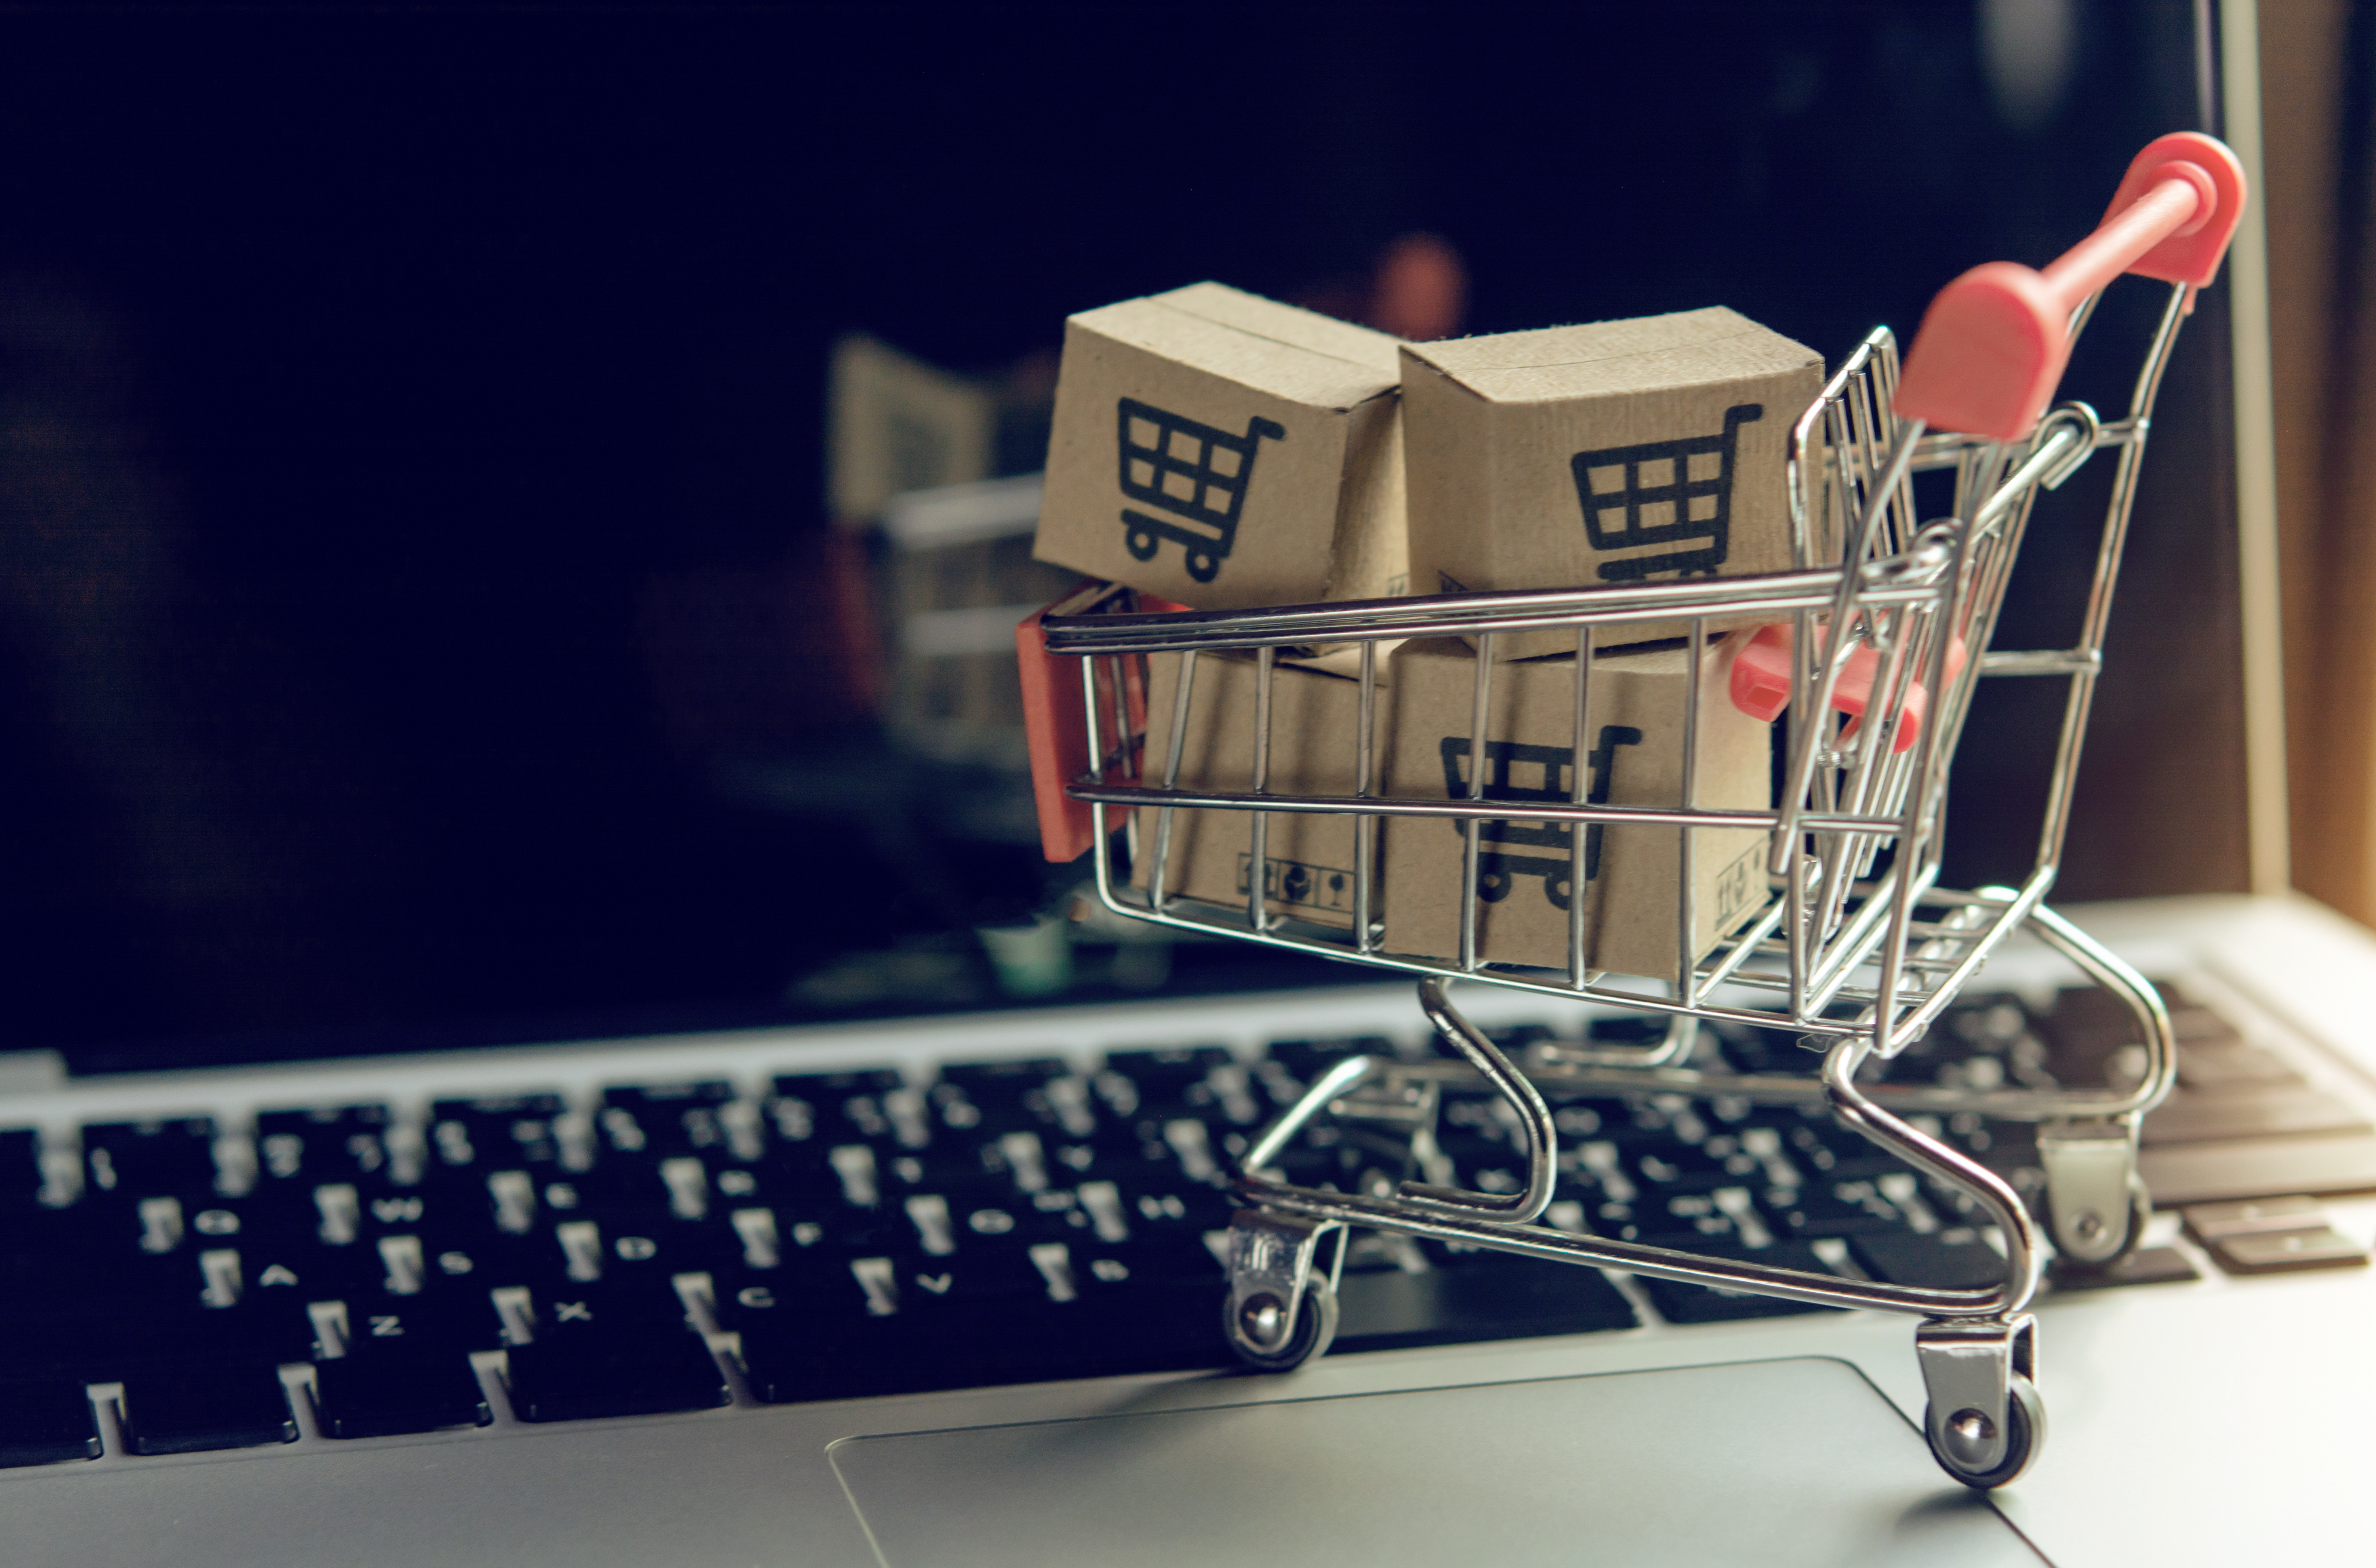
(1853, 945)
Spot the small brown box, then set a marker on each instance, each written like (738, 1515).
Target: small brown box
(1617, 452)
(1315, 750)
(1226, 452)
(1523, 870)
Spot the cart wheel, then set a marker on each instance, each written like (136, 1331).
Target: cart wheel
(1201, 565)
(1315, 1326)
(2140, 1215)
(2024, 1412)
(1141, 543)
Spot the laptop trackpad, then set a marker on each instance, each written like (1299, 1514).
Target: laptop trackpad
(1767, 1462)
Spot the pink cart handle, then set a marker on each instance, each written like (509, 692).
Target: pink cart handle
(1056, 728)
(1993, 344)
(1762, 668)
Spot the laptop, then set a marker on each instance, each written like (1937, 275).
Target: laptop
(936, 1287)
(578, 1264)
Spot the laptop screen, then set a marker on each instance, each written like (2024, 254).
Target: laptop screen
(444, 597)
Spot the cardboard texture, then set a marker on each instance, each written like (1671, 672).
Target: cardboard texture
(1635, 757)
(1315, 731)
(1617, 452)
(1227, 451)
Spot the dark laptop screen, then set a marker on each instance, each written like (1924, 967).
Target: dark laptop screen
(421, 620)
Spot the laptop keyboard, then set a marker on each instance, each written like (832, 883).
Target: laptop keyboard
(868, 1232)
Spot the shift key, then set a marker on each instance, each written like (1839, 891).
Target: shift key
(2187, 1118)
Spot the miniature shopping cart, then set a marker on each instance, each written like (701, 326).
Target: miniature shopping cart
(1852, 945)
(1196, 474)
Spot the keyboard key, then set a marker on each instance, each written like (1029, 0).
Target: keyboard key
(816, 1111)
(1002, 1081)
(2086, 1014)
(378, 1392)
(460, 1320)
(20, 1169)
(666, 1118)
(2212, 1222)
(612, 1351)
(1112, 1330)
(912, 1278)
(328, 1144)
(2147, 1265)
(1490, 1296)
(199, 1408)
(2191, 1022)
(1988, 1021)
(1840, 1208)
(1938, 1261)
(100, 1341)
(2193, 1117)
(2213, 1068)
(498, 1132)
(146, 1158)
(1306, 1060)
(1184, 1080)
(44, 1423)
(1168, 1072)
(1698, 1304)
(625, 1243)
(2271, 1236)
(569, 1374)
(2287, 1251)
(2215, 1173)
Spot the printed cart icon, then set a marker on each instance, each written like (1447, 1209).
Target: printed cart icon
(1498, 870)
(1194, 471)
(1662, 493)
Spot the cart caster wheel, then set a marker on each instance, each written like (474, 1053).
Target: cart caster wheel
(2026, 1414)
(1253, 1330)
(2140, 1215)
(1200, 567)
(1142, 543)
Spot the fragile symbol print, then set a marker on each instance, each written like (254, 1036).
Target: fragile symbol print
(1194, 471)
(1499, 868)
(1662, 494)
(1293, 882)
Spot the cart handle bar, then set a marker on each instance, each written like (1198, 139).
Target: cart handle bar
(1993, 344)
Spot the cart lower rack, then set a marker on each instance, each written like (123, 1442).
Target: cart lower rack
(1873, 646)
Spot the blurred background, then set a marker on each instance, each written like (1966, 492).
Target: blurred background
(457, 577)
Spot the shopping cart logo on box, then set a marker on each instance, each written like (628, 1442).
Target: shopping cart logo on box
(1662, 494)
(1299, 886)
(1498, 870)
(1195, 473)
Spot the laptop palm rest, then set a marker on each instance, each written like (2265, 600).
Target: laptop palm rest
(1774, 1463)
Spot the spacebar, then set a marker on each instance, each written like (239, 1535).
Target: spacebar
(1170, 1326)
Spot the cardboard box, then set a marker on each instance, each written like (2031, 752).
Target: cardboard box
(1226, 452)
(1617, 452)
(1635, 757)
(1315, 731)
(897, 424)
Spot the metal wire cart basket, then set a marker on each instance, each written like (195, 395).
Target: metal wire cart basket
(1877, 639)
